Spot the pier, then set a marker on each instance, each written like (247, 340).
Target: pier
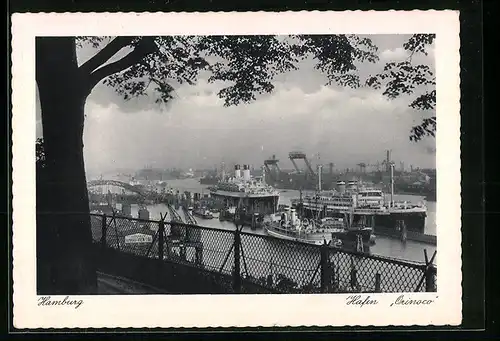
(410, 235)
(189, 216)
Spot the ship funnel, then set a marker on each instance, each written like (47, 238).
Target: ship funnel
(352, 185)
(286, 214)
(237, 171)
(246, 172)
(293, 216)
(341, 186)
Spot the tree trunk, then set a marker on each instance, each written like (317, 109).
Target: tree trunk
(64, 236)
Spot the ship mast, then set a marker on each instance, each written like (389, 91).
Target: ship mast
(223, 172)
(392, 183)
(319, 177)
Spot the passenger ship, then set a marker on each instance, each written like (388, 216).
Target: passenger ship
(363, 200)
(245, 195)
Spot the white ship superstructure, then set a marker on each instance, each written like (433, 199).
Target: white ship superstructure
(357, 198)
(246, 192)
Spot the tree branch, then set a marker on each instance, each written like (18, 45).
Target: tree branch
(144, 48)
(105, 54)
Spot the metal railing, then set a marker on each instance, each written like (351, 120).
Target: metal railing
(254, 263)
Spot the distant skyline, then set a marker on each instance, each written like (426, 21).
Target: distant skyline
(345, 126)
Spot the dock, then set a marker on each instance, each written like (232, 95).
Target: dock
(410, 235)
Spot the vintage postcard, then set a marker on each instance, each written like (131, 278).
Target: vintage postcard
(236, 169)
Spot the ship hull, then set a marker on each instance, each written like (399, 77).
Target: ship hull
(209, 181)
(414, 220)
(261, 204)
(317, 239)
(352, 235)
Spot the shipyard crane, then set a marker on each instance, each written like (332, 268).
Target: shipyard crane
(362, 167)
(297, 156)
(272, 163)
(387, 162)
(331, 167)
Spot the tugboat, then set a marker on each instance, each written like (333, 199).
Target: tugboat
(287, 225)
(203, 212)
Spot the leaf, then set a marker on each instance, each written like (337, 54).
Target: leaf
(247, 66)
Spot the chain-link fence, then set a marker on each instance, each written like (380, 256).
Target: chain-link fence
(261, 264)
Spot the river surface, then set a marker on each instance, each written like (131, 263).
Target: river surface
(384, 246)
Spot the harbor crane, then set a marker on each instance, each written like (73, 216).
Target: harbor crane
(387, 162)
(362, 167)
(272, 163)
(300, 155)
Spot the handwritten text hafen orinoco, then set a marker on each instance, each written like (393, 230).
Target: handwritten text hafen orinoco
(402, 300)
(358, 300)
(66, 301)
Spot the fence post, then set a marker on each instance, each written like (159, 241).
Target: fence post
(161, 242)
(377, 282)
(325, 273)
(199, 254)
(430, 279)
(354, 278)
(237, 265)
(104, 230)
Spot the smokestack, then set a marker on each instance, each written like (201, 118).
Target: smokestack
(246, 172)
(237, 171)
(293, 216)
(286, 215)
(341, 186)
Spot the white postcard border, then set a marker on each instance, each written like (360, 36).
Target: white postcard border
(237, 310)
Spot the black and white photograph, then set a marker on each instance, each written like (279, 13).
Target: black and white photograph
(213, 165)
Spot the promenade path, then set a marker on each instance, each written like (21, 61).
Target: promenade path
(114, 285)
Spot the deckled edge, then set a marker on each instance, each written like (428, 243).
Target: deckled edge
(194, 326)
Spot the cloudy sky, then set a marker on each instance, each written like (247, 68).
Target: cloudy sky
(343, 126)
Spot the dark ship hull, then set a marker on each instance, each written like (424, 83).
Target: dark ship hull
(414, 221)
(352, 234)
(209, 180)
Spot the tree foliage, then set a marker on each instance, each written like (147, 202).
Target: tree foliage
(247, 65)
(417, 80)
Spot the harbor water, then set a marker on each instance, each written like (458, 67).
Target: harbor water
(384, 246)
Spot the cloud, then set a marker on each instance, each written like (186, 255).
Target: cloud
(395, 54)
(343, 126)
